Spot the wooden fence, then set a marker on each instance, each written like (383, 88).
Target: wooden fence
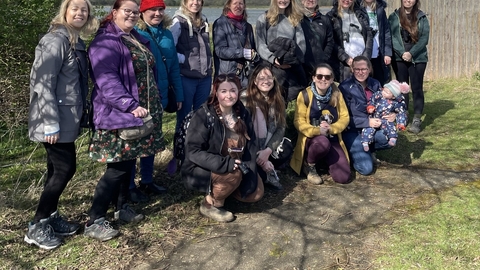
(454, 37)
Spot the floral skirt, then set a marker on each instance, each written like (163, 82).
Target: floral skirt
(107, 146)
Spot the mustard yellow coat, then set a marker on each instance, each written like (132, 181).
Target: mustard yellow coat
(306, 130)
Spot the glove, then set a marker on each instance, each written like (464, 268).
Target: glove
(401, 127)
(370, 109)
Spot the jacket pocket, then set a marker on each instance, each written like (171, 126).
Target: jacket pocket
(70, 111)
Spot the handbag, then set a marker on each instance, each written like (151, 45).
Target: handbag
(172, 95)
(134, 133)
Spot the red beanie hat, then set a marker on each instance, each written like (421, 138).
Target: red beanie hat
(148, 4)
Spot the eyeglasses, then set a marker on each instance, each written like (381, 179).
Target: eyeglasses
(129, 12)
(358, 70)
(265, 79)
(224, 77)
(321, 76)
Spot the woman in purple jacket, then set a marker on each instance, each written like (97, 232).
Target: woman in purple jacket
(125, 91)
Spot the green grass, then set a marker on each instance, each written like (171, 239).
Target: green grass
(443, 237)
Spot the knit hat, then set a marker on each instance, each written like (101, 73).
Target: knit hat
(148, 4)
(397, 88)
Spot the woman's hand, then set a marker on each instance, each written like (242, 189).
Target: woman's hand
(407, 57)
(235, 165)
(387, 60)
(267, 167)
(140, 112)
(53, 138)
(375, 122)
(179, 106)
(390, 117)
(350, 61)
(263, 155)
(277, 63)
(324, 128)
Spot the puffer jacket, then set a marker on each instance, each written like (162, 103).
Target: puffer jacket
(228, 45)
(419, 49)
(55, 92)
(193, 46)
(163, 46)
(337, 23)
(203, 146)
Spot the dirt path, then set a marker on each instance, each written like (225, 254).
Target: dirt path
(310, 227)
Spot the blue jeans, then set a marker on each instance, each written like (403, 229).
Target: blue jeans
(146, 170)
(195, 92)
(361, 160)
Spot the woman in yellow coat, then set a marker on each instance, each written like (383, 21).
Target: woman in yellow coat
(320, 117)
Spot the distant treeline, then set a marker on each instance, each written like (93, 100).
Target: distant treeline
(217, 3)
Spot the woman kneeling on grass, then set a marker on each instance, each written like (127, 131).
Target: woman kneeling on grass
(55, 112)
(220, 151)
(320, 118)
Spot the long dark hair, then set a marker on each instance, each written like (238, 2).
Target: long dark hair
(275, 98)
(240, 127)
(409, 22)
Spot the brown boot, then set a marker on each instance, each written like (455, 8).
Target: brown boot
(312, 175)
(219, 214)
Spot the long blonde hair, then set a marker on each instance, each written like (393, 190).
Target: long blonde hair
(294, 13)
(88, 28)
(372, 6)
(340, 9)
(196, 18)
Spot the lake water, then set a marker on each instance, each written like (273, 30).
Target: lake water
(212, 13)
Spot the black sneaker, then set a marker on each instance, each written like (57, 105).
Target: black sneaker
(415, 126)
(273, 181)
(62, 227)
(128, 215)
(137, 196)
(42, 235)
(100, 230)
(152, 188)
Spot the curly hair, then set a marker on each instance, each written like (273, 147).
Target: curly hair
(294, 13)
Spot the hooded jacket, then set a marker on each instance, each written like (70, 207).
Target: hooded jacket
(115, 92)
(203, 146)
(55, 92)
(419, 49)
(193, 46)
(163, 46)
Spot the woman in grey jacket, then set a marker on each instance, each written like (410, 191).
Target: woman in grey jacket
(55, 111)
(233, 41)
(281, 42)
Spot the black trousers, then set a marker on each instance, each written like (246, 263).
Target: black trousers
(61, 166)
(380, 70)
(112, 187)
(413, 75)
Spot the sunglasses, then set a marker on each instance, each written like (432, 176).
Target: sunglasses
(321, 76)
(224, 77)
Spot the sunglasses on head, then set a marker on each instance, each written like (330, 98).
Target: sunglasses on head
(321, 76)
(229, 76)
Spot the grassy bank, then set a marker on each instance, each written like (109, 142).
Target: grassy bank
(442, 235)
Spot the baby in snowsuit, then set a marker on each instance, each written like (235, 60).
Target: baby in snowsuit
(389, 100)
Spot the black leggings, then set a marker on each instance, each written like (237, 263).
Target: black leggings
(412, 74)
(61, 166)
(112, 187)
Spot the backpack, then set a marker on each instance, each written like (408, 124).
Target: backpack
(181, 134)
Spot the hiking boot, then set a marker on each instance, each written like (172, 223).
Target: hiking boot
(42, 235)
(312, 175)
(273, 181)
(128, 215)
(152, 188)
(137, 196)
(218, 214)
(62, 227)
(415, 126)
(100, 230)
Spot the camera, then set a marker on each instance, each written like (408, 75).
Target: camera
(315, 122)
(346, 37)
(243, 168)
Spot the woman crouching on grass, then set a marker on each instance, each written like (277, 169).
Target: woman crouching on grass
(56, 108)
(220, 151)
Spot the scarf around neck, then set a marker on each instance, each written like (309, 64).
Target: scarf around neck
(322, 99)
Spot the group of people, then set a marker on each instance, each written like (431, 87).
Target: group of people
(239, 91)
